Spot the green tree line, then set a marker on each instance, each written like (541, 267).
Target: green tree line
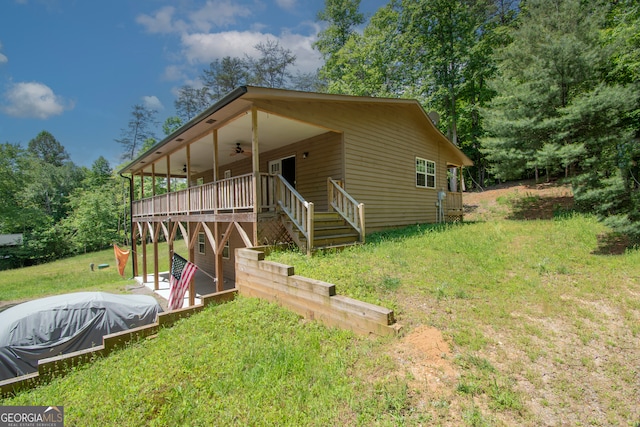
(540, 89)
(60, 208)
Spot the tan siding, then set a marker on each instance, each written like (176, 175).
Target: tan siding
(324, 160)
(381, 143)
(207, 262)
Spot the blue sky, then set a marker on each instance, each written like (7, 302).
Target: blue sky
(76, 67)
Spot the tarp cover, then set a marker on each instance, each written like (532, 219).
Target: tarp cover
(63, 324)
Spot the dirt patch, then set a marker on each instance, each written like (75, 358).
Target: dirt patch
(426, 356)
(525, 200)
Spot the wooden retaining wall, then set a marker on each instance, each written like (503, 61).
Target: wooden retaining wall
(310, 298)
(60, 365)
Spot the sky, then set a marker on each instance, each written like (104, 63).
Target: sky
(75, 68)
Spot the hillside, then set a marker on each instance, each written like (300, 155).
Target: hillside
(507, 319)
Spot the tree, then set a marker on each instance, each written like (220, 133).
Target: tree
(271, 68)
(100, 172)
(171, 124)
(191, 102)
(568, 103)
(224, 75)
(47, 148)
(93, 223)
(138, 130)
(342, 18)
(12, 180)
(554, 57)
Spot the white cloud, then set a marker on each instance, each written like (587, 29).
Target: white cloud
(162, 21)
(203, 48)
(152, 103)
(286, 4)
(3, 58)
(215, 13)
(35, 100)
(173, 73)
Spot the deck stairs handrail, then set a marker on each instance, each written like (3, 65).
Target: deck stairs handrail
(342, 202)
(299, 211)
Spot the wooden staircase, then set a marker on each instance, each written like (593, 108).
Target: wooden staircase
(341, 227)
(330, 231)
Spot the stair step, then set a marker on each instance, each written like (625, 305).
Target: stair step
(333, 230)
(338, 239)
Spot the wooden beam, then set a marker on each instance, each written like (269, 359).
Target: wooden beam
(224, 239)
(192, 287)
(156, 274)
(194, 234)
(215, 155)
(219, 259)
(185, 234)
(244, 235)
(212, 240)
(255, 157)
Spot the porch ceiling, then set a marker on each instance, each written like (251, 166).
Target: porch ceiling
(273, 132)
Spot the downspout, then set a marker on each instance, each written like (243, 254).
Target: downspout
(130, 179)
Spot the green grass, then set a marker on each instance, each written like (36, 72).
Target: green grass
(536, 320)
(72, 275)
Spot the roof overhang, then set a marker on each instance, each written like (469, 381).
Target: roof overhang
(231, 117)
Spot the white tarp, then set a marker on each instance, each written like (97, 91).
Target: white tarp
(63, 324)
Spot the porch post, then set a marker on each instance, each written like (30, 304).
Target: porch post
(156, 275)
(168, 184)
(144, 253)
(255, 157)
(134, 248)
(188, 179)
(215, 155)
(219, 260)
(192, 288)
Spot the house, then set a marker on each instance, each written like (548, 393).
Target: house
(266, 166)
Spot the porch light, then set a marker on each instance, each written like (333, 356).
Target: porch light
(305, 154)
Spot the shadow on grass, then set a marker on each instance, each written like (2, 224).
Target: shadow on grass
(541, 207)
(412, 231)
(612, 244)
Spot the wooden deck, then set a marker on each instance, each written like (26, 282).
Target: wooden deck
(230, 195)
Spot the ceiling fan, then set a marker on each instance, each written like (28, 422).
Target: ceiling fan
(193, 169)
(240, 150)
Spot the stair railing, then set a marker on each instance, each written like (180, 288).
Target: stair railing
(342, 202)
(299, 211)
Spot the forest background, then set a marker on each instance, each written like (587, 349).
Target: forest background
(544, 89)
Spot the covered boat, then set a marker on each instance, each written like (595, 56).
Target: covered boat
(66, 323)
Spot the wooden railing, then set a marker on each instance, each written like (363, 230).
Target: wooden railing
(341, 202)
(453, 203)
(227, 195)
(299, 211)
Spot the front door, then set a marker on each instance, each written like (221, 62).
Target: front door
(285, 167)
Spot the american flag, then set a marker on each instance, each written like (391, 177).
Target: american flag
(181, 273)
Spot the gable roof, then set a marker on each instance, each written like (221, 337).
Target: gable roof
(229, 115)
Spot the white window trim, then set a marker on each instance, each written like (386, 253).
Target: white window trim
(226, 248)
(426, 173)
(202, 244)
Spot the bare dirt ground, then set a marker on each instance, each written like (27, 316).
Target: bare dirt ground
(564, 382)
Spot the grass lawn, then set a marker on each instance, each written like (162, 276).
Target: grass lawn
(506, 322)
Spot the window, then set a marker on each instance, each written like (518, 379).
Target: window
(425, 173)
(225, 250)
(201, 244)
(227, 174)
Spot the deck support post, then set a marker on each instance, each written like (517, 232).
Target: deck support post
(255, 158)
(192, 288)
(156, 273)
(219, 260)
